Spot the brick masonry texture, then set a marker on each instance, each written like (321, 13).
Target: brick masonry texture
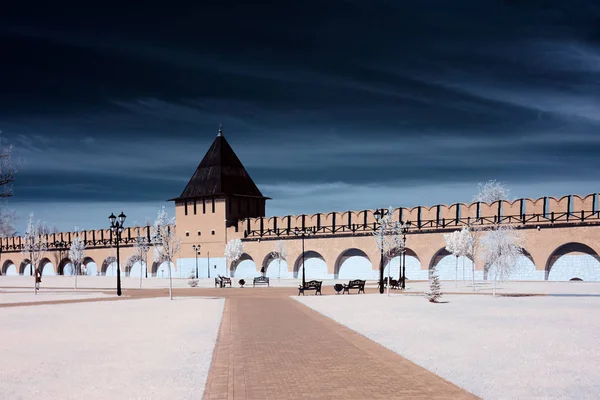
(271, 347)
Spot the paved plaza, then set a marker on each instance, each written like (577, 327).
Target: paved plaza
(267, 343)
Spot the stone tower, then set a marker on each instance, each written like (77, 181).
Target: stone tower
(219, 193)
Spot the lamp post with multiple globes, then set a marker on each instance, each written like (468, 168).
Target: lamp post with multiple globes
(379, 214)
(196, 248)
(303, 232)
(117, 228)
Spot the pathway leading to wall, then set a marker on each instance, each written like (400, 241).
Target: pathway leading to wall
(272, 347)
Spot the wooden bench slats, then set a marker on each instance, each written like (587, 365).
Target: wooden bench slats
(261, 280)
(355, 284)
(311, 285)
(222, 281)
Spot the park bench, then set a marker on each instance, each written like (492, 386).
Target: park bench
(221, 281)
(311, 285)
(355, 284)
(261, 280)
(394, 284)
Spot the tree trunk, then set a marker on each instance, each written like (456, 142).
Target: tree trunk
(456, 273)
(463, 265)
(389, 277)
(141, 272)
(473, 277)
(170, 281)
(495, 280)
(279, 273)
(75, 269)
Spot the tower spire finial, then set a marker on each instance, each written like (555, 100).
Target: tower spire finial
(220, 129)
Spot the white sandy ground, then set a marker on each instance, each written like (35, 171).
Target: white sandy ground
(8, 296)
(110, 282)
(138, 349)
(496, 348)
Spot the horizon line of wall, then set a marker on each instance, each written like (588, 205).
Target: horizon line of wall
(563, 208)
(543, 206)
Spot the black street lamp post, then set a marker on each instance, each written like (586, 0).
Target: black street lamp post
(60, 246)
(379, 214)
(197, 251)
(117, 228)
(303, 232)
(404, 231)
(403, 272)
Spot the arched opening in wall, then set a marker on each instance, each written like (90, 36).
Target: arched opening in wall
(244, 267)
(525, 270)
(447, 268)
(46, 267)
(25, 268)
(573, 260)
(65, 267)
(412, 268)
(276, 267)
(353, 264)
(314, 265)
(160, 269)
(89, 267)
(156, 265)
(576, 279)
(134, 266)
(526, 254)
(9, 268)
(109, 267)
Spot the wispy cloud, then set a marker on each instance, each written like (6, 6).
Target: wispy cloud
(326, 110)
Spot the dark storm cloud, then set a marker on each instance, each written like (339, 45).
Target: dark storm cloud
(343, 92)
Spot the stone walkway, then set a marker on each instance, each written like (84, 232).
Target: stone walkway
(272, 347)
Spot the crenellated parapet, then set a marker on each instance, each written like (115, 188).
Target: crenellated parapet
(522, 212)
(100, 238)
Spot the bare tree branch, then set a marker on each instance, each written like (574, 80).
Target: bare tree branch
(7, 169)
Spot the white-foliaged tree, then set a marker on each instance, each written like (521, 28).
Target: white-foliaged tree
(501, 250)
(7, 177)
(34, 244)
(76, 254)
(388, 238)
(233, 251)
(466, 250)
(453, 246)
(279, 254)
(491, 191)
(166, 243)
(435, 288)
(141, 247)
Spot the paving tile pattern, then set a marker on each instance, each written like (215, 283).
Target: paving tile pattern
(276, 348)
(272, 347)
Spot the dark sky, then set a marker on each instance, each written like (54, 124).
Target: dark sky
(331, 105)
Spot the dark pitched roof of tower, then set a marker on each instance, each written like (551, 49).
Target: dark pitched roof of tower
(220, 173)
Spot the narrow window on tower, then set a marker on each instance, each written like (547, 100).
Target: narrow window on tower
(203, 206)
(213, 204)
(186, 208)
(194, 207)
